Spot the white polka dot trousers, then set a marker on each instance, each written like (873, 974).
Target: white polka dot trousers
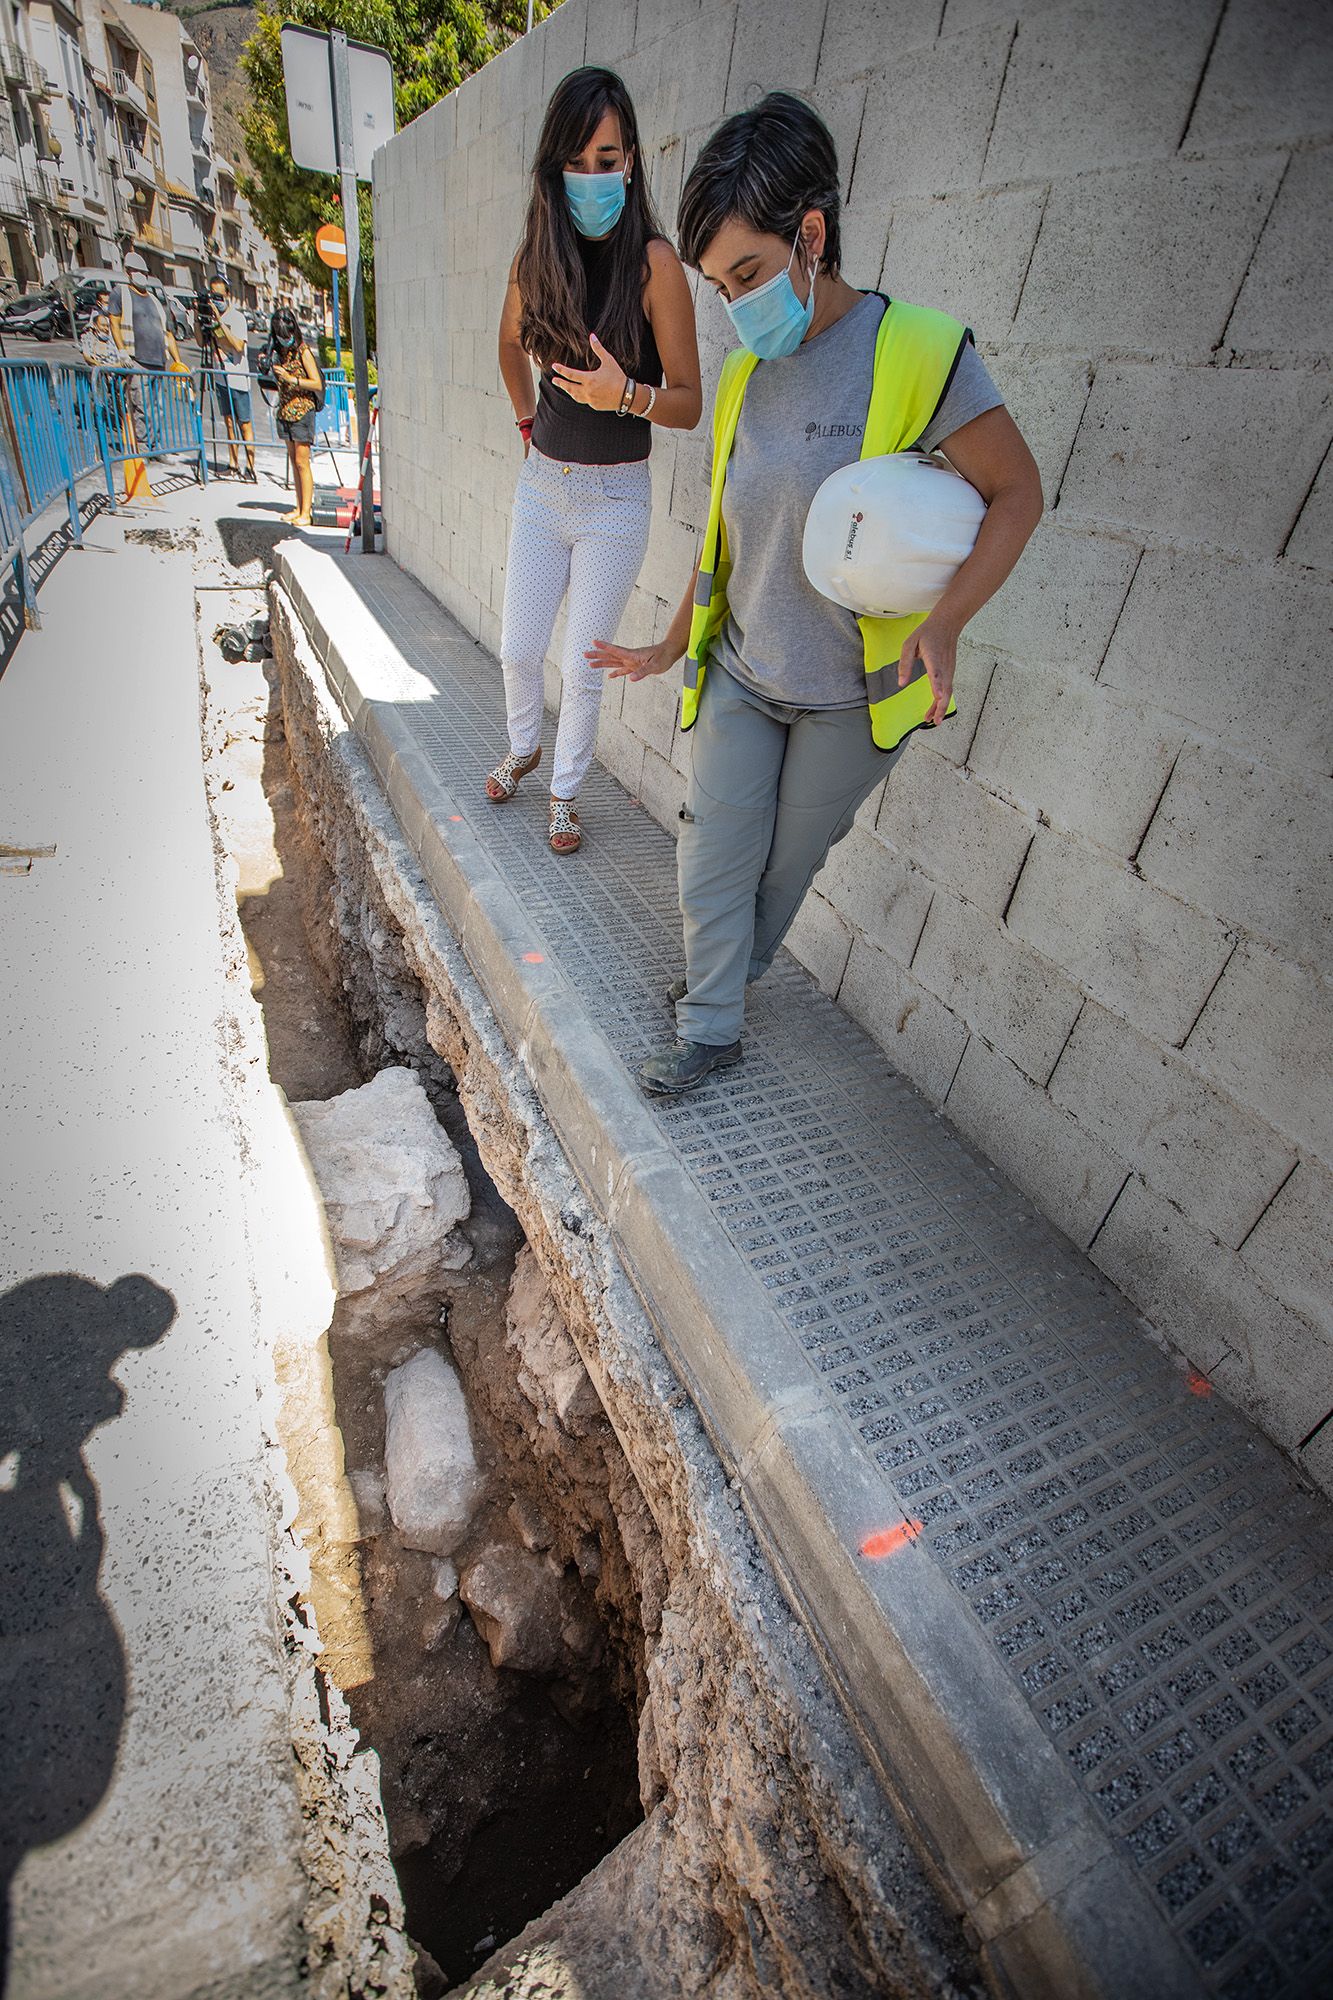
(581, 530)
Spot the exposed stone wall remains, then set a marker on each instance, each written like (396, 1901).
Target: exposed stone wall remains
(768, 1860)
(1091, 917)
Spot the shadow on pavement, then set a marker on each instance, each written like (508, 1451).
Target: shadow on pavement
(253, 535)
(42, 560)
(62, 1664)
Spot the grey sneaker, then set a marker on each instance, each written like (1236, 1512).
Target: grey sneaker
(676, 991)
(684, 1065)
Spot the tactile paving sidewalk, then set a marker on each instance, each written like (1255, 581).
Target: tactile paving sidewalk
(1146, 1566)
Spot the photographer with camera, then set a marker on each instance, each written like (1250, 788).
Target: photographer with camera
(222, 329)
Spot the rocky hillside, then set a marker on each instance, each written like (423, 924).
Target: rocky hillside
(221, 32)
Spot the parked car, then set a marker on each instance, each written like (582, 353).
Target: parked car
(179, 301)
(175, 303)
(80, 289)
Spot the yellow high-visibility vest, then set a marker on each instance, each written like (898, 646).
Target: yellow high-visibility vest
(916, 352)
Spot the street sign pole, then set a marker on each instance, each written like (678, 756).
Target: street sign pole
(346, 146)
(337, 323)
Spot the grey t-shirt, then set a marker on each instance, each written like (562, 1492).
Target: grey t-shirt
(235, 362)
(147, 328)
(802, 418)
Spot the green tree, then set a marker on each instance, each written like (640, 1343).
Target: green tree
(433, 45)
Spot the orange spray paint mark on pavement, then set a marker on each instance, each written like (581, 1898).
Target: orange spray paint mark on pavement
(457, 818)
(533, 958)
(888, 1541)
(1198, 1384)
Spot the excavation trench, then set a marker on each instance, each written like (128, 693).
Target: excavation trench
(612, 1766)
(505, 1726)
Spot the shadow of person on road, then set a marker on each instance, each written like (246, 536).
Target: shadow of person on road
(62, 1668)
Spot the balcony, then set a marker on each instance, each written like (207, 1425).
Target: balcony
(44, 186)
(186, 232)
(12, 60)
(138, 168)
(36, 82)
(150, 237)
(13, 198)
(127, 92)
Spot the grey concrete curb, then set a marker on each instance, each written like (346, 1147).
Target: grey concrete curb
(1056, 1908)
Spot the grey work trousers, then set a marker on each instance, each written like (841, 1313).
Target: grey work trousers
(770, 790)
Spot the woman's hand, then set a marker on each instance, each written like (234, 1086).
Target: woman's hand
(601, 388)
(936, 647)
(633, 663)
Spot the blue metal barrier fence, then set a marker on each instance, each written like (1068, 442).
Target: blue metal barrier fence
(222, 417)
(61, 422)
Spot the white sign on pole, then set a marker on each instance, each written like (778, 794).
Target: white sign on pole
(309, 86)
(372, 102)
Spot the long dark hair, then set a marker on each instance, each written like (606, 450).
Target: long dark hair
(554, 324)
(284, 330)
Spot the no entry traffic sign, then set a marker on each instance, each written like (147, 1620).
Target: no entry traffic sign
(331, 246)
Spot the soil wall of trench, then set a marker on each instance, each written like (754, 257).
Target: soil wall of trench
(766, 1861)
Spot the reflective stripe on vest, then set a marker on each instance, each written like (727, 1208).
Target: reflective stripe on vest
(916, 351)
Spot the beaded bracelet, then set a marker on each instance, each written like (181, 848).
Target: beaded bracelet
(652, 398)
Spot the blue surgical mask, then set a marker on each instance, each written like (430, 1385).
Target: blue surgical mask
(772, 321)
(596, 202)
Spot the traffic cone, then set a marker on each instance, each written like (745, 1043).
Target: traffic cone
(136, 481)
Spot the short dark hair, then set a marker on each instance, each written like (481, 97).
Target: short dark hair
(768, 166)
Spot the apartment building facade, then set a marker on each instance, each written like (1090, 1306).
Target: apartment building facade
(107, 145)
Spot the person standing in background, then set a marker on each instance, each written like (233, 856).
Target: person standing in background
(598, 299)
(150, 345)
(233, 384)
(98, 346)
(300, 386)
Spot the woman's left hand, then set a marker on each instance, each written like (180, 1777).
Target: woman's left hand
(936, 647)
(601, 388)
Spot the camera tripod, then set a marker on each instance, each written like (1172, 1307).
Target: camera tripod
(210, 361)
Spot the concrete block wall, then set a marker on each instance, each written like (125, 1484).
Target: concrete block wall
(1091, 917)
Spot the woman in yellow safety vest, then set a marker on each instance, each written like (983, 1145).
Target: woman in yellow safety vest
(797, 706)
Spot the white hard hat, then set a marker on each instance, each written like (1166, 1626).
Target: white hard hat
(884, 536)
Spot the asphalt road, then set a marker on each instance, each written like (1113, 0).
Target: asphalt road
(18, 349)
